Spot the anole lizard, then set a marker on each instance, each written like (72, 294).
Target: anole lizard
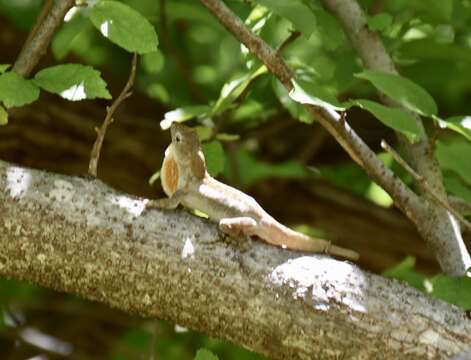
(185, 181)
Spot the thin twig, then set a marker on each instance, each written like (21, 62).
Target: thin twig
(420, 179)
(96, 150)
(38, 41)
(403, 196)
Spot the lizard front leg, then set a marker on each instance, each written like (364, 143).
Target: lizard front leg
(167, 203)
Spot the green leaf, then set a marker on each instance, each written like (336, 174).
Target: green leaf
(204, 354)
(183, 114)
(155, 176)
(379, 22)
(454, 156)
(4, 67)
(73, 82)
(456, 186)
(214, 155)
(329, 29)
(305, 92)
(251, 170)
(16, 90)
(3, 116)
(405, 271)
(300, 15)
(455, 290)
(124, 26)
(227, 137)
(64, 40)
(153, 62)
(234, 88)
(460, 124)
(394, 118)
(404, 91)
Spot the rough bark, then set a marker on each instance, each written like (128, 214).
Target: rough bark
(79, 236)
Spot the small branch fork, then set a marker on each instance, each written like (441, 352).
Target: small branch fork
(420, 179)
(125, 93)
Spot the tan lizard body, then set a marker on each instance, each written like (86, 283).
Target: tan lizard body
(186, 181)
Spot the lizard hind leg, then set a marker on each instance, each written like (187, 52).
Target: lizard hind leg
(238, 226)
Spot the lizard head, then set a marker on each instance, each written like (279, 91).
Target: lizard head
(184, 139)
(187, 149)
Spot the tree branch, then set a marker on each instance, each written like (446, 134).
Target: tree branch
(437, 226)
(41, 34)
(425, 185)
(403, 197)
(81, 237)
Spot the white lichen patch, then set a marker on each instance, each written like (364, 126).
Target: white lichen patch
(42, 258)
(132, 206)
(18, 181)
(147, 300)
(321, 281)
(188, 249)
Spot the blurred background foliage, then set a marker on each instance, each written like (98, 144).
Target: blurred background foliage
(257, 138)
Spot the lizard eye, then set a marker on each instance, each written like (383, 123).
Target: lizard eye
(177, 138)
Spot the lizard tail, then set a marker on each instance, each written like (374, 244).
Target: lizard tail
(287, 238)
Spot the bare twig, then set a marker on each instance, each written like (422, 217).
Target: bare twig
(425, 185)
(404, 197)
(96, 150)
(38, 41)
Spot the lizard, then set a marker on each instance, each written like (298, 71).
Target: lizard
(186, 181)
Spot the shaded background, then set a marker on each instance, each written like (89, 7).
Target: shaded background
(295, 170)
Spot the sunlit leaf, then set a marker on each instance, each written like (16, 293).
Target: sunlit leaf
(296, 110)
(309, 93)
(214, 155)
(460, 124)
(124, 26)
(404, 91)
(73, 82)
(3, 116)
(394, 118)
(16, 90)
(234, 88)
(183, 114)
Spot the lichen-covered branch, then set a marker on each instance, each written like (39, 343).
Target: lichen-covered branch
(436, 225)
(79, 236)
(41, 34)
